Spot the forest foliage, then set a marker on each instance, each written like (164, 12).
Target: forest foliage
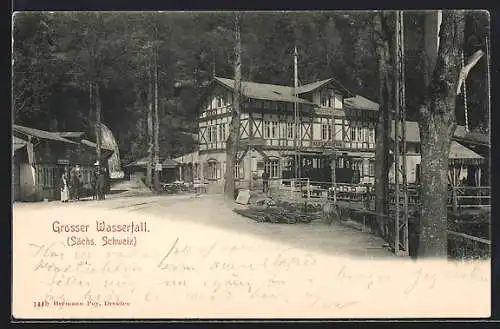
(56, 55)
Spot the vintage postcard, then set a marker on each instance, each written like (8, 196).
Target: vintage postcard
(251, 165)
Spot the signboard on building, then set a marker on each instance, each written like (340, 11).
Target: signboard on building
(63, 161)
(158, 167)
(327, 144)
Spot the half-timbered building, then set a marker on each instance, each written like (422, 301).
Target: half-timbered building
(330, 117)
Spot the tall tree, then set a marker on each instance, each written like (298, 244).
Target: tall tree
(437, 125)
(232, 143)
(383, 23)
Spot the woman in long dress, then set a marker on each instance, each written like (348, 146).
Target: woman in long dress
(64, 187)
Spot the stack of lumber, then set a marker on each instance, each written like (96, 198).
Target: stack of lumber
(270, 212)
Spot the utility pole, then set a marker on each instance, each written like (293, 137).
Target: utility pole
(296, 114)
(156, 124)
(334, 155)
(401, 190)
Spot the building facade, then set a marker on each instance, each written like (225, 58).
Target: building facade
(39, 158)
(330, 117)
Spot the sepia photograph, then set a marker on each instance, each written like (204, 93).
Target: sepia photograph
(251, 164)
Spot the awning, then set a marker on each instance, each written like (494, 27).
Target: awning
(143, 163)
(169, 163)
(193, 157)
(460, 154)
(359, 155)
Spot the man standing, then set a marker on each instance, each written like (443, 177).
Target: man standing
(265, 181)
(77, 182)
(93, 181)
(101, 185)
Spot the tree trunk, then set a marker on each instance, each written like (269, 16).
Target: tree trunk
(156, 127)
(383, 36)
(437, 125)
(98, 129)
(150, 130)
(234, 126)
(91, 105)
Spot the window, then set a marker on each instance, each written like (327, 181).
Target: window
(358, 165)
(46, 176)
(371, 168)
(324, 100)
(366, 135)
(214, 134)
(209, 134)
(219, 101)
(212, 170)
(238, 171)
(274, 129)
(331, 101)
(340, 162)
(371, 138)
(359, 134)
(417, 173)
(267, 129)
(222, 132)
(273, 168)
(289, 130)
(326, 132)
(353, 134)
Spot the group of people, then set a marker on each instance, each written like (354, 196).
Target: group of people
(72, 183)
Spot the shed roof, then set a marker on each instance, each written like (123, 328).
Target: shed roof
(42, 134)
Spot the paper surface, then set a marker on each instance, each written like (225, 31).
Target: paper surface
(179, 269)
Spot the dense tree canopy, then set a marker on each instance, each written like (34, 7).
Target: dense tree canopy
(57, 54)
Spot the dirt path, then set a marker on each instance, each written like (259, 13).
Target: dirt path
(199, 259)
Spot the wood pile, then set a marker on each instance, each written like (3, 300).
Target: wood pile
(268, 211)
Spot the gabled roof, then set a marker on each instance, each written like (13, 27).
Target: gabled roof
(360, 103)
(264, 91)
(315, 85)
(42, 134)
